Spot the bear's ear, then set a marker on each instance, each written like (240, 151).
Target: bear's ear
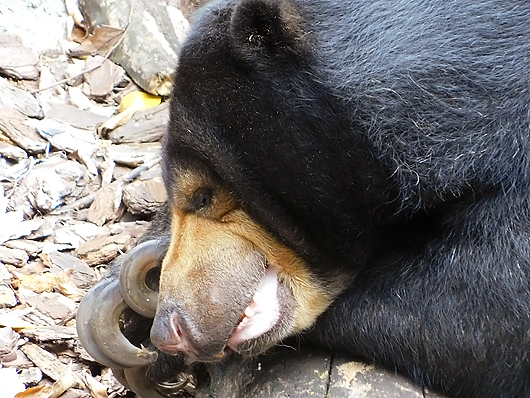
(269, 27)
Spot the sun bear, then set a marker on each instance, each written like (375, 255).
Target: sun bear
(357, 174)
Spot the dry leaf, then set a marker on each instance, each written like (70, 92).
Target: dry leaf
(38, 283)
(35, 392)
(67, 287)
(78, 33)
(97, 389)
(102, 75)
(67, 381)
(100, 42)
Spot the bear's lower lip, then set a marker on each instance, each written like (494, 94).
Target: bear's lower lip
(261, 315)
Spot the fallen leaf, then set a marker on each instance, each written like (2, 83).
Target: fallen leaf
(102, 76)
(67, 288)
(100, 42)
(66, 381)
(97, 389)
(36, 392)
(38, 283)
(78, 32)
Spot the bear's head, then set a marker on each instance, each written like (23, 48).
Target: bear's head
(251, 185)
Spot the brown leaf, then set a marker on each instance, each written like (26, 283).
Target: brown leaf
(38, 283)
(66, 381)
(100, 42)
(103, 75)
(67, 287)
(35, 392)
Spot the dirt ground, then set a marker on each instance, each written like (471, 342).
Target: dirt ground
(71, 199)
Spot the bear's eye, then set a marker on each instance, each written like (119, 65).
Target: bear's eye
(201, 198)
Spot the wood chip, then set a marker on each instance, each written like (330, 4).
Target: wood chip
(53, 305)
(15, 319)
(134, 229)
(104, 249)
(7, 297)
(54, 369)
(14, 220)
(45, 361)
(133, 155)
(30, 376)
(18, 62)
(8, 341)
(20, 100)
(20, 361)
(82, 276)
(14, 257)
(106, 205)
(46, 186)
(49, 334)
(14, 124)
(75, 117)
(145, 197)
(38, 283)
(145, 126)
(12, 152)
(27, 228)
(64, 137)
(31, 247)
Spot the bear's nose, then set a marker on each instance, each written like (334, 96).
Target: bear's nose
(173, 333)
(167, 335)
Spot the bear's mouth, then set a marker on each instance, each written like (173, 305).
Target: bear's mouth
(261, 315)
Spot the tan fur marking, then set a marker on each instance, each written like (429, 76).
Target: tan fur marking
(190, 182)
(224, 224)
(312, 298)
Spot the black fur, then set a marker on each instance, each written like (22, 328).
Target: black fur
(387, 140)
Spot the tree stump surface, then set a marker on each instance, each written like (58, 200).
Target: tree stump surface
(285, 373)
